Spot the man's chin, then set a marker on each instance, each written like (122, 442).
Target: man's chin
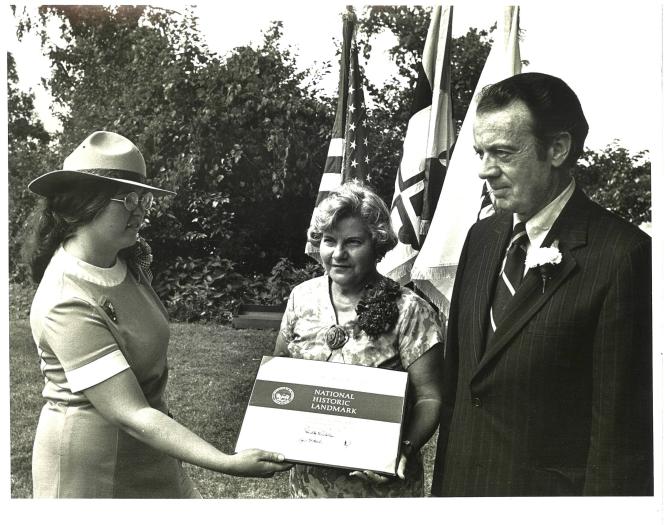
(502, 206)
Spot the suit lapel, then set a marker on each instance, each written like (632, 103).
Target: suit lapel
(570, 229)
(491, 257)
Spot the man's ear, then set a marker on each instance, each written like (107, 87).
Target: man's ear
(560, 148)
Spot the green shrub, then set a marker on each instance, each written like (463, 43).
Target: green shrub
(20, 299)
(209, 289)
(617, 180)
(275, 288)
(200, 289)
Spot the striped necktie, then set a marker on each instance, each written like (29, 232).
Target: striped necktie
(511, 274)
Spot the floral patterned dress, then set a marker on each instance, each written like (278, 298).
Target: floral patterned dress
(308, 316)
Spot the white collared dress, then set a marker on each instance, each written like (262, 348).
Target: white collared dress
(90, 324)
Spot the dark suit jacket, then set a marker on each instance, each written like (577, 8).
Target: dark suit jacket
(560, 403)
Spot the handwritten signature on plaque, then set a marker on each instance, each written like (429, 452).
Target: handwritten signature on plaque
(319, 436)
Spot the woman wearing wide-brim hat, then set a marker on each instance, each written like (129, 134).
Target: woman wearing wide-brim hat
(102, 335)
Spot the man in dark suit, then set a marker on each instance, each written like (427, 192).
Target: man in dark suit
(548, 360)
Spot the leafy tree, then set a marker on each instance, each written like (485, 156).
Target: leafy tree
(28, 157)
(277, 131)
(409, 24)
(613, 177)
(241, 139)
(393, 99)
(619, 181)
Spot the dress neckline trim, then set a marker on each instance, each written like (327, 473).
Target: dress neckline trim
(72, 265)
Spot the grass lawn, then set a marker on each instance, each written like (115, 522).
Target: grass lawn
(212, 369)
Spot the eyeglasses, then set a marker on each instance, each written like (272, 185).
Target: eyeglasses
(132, 200)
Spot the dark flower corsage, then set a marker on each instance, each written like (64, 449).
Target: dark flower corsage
(544, 259)
(377, 310)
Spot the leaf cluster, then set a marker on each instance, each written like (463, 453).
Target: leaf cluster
(210, 288)
(617, 180)
(28, 156)
(393, 99)
(237, 136)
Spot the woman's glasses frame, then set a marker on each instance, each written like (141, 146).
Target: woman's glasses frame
(132, 201)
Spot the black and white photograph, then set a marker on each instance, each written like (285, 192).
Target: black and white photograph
(329, 261)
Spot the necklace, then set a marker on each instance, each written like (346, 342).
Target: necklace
(336, 336)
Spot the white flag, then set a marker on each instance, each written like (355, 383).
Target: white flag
(459, 204)
(425, 153)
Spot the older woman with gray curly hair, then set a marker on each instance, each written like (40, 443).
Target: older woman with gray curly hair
(354, 315)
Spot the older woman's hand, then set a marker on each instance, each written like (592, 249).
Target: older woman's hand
(379, 479)
(401, 468)
(370, 476)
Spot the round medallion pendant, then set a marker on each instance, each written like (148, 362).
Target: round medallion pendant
(336, 337)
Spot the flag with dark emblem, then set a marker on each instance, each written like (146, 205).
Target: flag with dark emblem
(464, 198)
(486, 207)
(348, 153)
(427, 146)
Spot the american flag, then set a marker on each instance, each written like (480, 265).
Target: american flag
(356, 149)
(427, 145)
(348, 153)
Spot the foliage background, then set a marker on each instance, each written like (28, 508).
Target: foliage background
(241, 138)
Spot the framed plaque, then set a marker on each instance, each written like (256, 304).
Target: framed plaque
(322, 413)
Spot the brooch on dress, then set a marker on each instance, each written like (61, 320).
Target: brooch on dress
(108, 308)
(336, 337)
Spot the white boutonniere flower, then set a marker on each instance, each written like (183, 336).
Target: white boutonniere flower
(544, 259)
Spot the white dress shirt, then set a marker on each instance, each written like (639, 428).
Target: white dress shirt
(538, 226)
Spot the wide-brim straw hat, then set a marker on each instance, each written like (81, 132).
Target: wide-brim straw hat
(102, 155)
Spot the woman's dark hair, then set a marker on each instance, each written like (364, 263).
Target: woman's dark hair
(354, 199)
(58, 216)
(554, 108)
